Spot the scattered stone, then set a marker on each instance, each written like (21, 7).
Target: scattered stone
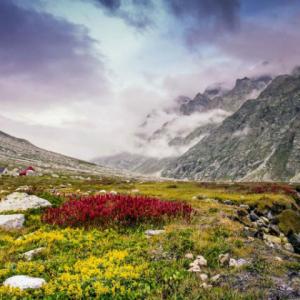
(288, 247)
(274, 229)
(135, 191)
(189, 256)
(215, 278)
(253, 216)
(242, 212)
(23, 188)
(194, 269)
(194, 198)
(206, 286)
(15, 221)
(294, 239)
(237, 263)
(55, 175)
(265, 220)
(113, 193)
(202, 262)
(203, 277)
(245, 206)
(30, 254)
(270, 215)
(261, 223)
(24, 282)
(22, 201)
(277, 258)
(224, 259)
(152, 232)
(102, 192)
(228, 202)
(272, 239)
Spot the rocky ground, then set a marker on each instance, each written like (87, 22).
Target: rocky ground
(241, 243)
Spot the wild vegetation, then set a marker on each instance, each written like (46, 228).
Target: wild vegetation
(117, 260)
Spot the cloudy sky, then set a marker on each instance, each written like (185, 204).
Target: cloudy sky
(78, 76)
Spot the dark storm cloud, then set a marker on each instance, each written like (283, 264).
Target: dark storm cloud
(42, 48)
(133, 12)
(223, 13)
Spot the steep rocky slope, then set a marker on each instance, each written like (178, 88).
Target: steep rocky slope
(261, 141)
(168, 133)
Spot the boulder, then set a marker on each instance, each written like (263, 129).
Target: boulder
(15, 221)
(22, 201)
(24, 282)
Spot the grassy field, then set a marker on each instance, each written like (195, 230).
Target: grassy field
(123, 263)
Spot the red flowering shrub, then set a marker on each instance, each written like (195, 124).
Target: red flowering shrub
(115, 209)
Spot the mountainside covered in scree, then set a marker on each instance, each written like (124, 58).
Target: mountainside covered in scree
(16, 151)
(261, 141)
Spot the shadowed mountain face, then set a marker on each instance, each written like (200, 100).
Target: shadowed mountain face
(177, 128)
(261, 141)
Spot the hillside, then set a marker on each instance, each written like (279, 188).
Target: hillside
(134, 163)
(19, 152)
(261, 141)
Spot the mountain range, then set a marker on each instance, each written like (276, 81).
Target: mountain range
(247, 133)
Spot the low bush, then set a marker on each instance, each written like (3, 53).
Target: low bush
(109, 209)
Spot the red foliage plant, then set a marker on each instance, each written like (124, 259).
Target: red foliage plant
(109, 209)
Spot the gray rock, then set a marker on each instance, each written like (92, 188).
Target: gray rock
(271, 121)
(253, 216)
(30, 254)
(245, 206)
(189, 256)
(288, 247)
(24, 282)
(215, 278)
(152, 232)
(15, 221)
(224, 259)
(201, 261)
(203, 277)
(294, 239)
(274, 229)
(22, 201)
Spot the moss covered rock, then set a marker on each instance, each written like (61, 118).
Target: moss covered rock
(289, 221)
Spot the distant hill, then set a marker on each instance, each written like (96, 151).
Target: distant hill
(16, 151)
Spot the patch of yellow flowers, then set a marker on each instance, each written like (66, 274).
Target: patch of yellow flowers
(95, 276)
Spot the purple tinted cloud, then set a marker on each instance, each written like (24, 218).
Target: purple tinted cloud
(47, 50)
(216, 13)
